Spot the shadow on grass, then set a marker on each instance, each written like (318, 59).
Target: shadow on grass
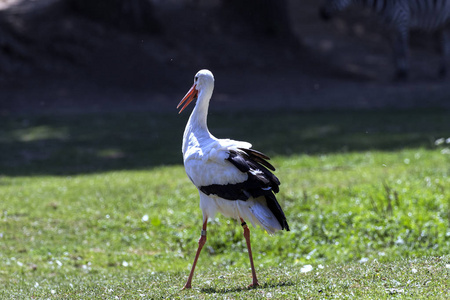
(213, 290)
(95, 142)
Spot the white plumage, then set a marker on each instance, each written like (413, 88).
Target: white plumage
(232, 178)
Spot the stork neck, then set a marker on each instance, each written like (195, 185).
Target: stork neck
(199, 116)
(196, 132)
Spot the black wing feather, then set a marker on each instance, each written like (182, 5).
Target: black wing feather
(260, 182)
(239, 162)
(258, 157)
(253, 152)
(275, 208)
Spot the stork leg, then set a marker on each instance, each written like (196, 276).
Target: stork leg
(249, 247)
(201, 243)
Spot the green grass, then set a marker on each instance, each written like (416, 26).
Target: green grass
(99, 206)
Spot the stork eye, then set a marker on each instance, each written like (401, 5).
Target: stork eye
(195, 78)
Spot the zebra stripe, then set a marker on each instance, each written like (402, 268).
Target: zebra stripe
(400, 16)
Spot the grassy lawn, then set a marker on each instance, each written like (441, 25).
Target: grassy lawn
(99, 206)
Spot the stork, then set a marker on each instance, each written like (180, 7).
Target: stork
(231, 178)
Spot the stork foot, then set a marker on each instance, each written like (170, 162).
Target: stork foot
(186, 286)
(253, 285)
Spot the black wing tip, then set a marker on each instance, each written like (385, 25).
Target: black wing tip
(258, 157)
(276, 209)
(255, 153)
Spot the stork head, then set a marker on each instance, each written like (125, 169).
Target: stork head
(203, 82)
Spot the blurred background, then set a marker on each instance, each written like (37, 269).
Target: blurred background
(109, 55)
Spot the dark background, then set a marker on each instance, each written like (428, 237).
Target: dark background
(108, 55)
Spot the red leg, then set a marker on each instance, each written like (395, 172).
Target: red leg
(201, 242)
(249, 247)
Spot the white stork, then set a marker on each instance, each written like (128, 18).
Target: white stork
(231, 178)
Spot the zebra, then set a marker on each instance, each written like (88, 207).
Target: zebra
(399, 16)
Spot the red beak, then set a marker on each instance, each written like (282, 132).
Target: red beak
(191, 95)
